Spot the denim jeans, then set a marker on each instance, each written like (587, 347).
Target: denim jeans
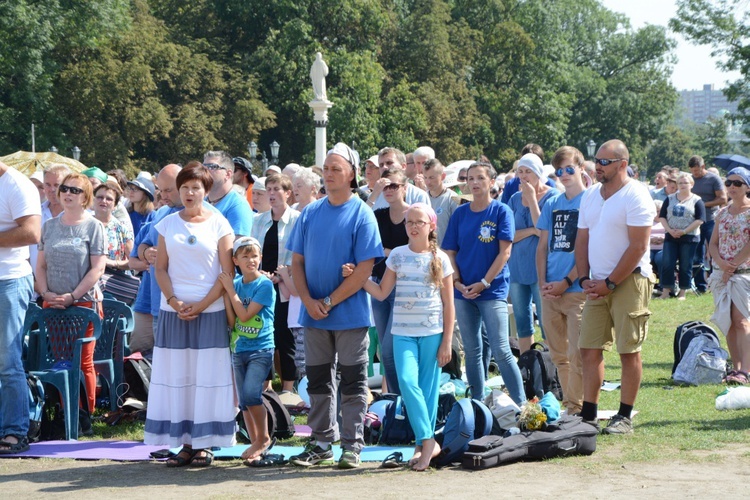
(250, 371)
(674, 250)
(15, 295)
(382, 313)
(521, 296)
(700, 251)
(494, 313)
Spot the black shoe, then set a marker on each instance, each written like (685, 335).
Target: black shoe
(84, 423)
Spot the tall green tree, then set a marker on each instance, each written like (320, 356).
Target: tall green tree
(716, 24)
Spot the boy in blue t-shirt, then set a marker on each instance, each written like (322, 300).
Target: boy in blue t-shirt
(249, 302)
(562, 295)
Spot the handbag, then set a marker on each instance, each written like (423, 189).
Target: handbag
(121, 285)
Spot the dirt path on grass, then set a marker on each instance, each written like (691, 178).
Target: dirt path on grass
(699, 475)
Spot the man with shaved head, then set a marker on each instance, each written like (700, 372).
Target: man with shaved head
(613, 265)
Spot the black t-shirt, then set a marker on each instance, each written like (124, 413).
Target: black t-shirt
(271, 248)
(392, 235)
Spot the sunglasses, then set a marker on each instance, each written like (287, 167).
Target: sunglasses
(567, 170)
(73, 190)
(213, 166)
(392, 186)
(605, 161)
(463, 178)
(727, 183)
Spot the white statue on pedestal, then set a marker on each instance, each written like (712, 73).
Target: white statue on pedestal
(318, 74)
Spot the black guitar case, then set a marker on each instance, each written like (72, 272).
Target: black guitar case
(567, 436)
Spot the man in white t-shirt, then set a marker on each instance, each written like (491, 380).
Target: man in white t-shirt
(20, 226)
(612, 260)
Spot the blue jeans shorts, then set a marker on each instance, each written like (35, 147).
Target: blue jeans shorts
(250, 371)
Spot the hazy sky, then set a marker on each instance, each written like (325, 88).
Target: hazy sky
(695, 66)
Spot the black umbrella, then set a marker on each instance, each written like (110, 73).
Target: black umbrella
(728, 162)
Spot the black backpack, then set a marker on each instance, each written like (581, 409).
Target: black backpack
(280, 423)
(685, 333)
(539, 373)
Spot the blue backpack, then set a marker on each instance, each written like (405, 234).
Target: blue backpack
(469, 419)
(36, 405)
(396, 428)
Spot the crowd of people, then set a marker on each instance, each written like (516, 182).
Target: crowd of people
(234, 279)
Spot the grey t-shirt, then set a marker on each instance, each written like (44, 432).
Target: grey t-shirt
(67, 251)
(444, 205)
(706, 188)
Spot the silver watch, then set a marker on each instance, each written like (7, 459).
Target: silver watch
(327, 302)
(485, 283)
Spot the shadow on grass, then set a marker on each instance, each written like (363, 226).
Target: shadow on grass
(128, 475)
(740, 422)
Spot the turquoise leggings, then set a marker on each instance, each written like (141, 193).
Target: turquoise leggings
(419, 380)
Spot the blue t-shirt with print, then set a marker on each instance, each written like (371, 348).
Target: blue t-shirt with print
(476, 236)
(257, 332)
(522, 263)
(329, 236)
(559, 218)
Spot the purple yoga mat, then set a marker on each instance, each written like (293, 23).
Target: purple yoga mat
(125, 451)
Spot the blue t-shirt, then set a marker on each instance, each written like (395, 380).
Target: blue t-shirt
(237, 211)
(476, 236)
(142, 302)
(560, 218)
(151, 238)
(328, 237)
(256, 333)
(511, 188)
(138, 220)
(522, 263)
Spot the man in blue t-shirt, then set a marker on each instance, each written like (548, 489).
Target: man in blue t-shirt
(330, 232)
(226, 200)
(562, 296)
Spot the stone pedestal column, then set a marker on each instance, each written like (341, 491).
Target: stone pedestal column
(320, 109)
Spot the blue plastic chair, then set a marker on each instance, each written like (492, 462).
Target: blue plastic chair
(30, 337)
(57, 360)
(109, 352)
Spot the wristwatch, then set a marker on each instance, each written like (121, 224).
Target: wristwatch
(485, 283)
(581, 280)
(610, 284)
(327, 302)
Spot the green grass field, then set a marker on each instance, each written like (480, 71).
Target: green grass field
(673, 421)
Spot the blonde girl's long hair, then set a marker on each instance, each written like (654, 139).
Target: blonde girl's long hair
(436, 265)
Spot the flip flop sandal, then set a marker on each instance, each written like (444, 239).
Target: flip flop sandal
(737, 378)
(180, 459)
(13, 448)
(268, 460)
(203, 461)
(393, 461)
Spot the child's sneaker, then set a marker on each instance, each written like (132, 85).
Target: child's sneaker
(313, 455)
(618, 425)
(349, 460)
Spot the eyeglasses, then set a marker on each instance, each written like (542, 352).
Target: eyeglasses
(392, 186)
(727, 183)
(416, 223)
(213, 166)
(73, 190)
(462, 178)
(567, 170)
(105, 198)
(606, 161)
